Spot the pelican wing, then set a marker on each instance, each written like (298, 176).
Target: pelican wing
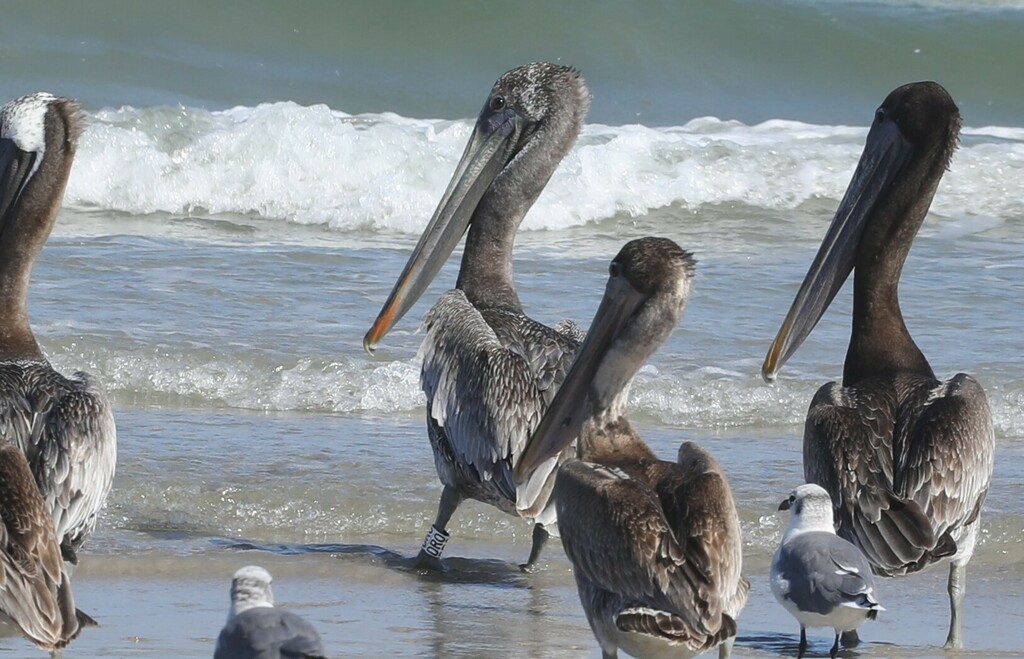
(852, 440)
(616, 534)
(698, 504)
(82, 457)
(66, 429)
(34, 588)
(488, 377)
(946, 464)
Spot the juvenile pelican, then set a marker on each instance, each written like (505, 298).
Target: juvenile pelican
(64, 425)
(906, 458)
(489, 371)
(655, 546)
(257, 630)
(820, 578)
(35, 592)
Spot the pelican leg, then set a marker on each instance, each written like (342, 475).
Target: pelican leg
(725, 649)
(540, 538)
(957, 589)
(850, 639)
(835, 648)
(429, 557)
(803, 643)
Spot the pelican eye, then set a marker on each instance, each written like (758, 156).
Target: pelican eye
(879, 115)
(497, 103)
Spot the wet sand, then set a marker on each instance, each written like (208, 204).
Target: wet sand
(163, 605)
(172, 599)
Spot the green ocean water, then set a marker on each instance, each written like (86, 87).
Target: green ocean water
(656, 63)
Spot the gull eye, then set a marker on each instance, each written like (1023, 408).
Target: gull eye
(880, 115)
(497, 103)
(615, 269)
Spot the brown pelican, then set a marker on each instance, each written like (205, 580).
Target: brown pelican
(655, 546)
(906, 458)
(489, 371)
(256, 629)
(35, 591)
(64, 425)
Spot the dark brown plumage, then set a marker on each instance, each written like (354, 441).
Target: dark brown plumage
(906, 458)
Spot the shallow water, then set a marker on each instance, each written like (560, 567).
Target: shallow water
(162, 586)
(226, 241)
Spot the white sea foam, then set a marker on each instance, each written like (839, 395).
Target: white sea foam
(708, 398)
(312, 165)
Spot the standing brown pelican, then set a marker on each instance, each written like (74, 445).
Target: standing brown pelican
(489, 371)
(906, 458)
(35, 591)
(655, 546)
(64, 425)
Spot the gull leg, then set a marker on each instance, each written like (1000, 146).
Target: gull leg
(433, 545)
(835, 648)
(957, 589)
(803, 643)
(540, 538)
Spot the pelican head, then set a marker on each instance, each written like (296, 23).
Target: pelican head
(528, 124)
(647, 290)
(31, 127)
(909, 146)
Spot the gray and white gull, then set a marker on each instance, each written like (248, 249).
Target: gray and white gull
(655, 545)
(64, 425)
(821, 579)
(257, 630)
(489, 371)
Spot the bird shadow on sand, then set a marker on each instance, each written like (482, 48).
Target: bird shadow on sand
(455, 569)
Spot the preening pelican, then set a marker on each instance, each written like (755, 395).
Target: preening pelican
(906, 458)
(489, 371)
(63, 424)
(655, 546)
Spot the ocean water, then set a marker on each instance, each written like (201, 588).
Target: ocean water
(252, 182)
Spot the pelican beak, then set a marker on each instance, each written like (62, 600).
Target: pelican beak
(562, 422)
(491, 146)
(885, 154)
(15, 168)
